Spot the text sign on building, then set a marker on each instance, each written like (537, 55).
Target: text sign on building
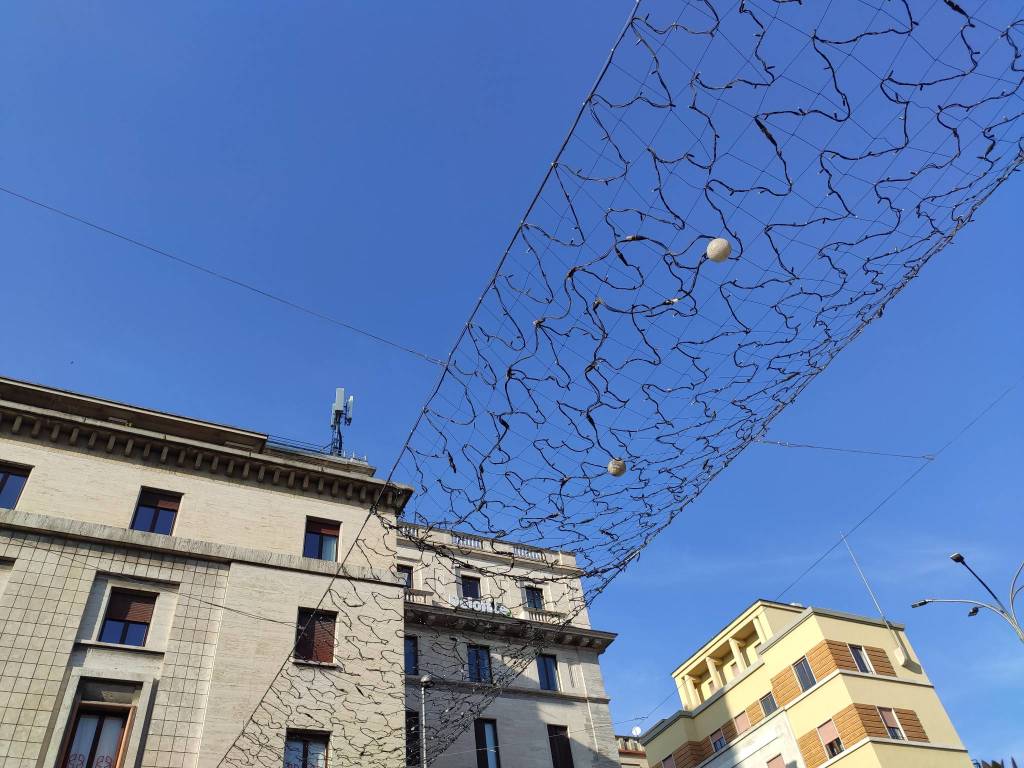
(482, 605)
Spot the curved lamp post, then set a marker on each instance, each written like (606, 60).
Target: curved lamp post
(1008, 614)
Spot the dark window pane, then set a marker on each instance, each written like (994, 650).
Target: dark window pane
(112, 631)
(12, 481)
(471, 587)
(412, 737)
(311, 545)
(534, 598)
(768, 704)
(479, 664)
(804, 674)
(143, 519)
(412, 661)
(136, 634)
(547, 666)
(164, 522)
(405, 571)
(561, 747)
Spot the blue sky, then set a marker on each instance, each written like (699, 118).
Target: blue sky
(373, 165)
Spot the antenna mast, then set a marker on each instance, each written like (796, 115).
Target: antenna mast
(341, 416)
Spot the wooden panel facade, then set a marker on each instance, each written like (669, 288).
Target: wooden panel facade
(755, 713)
(911, 723)
(785, 687)
(811, 749)
(880, 661)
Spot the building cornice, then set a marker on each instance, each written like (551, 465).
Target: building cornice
(507, 690)
(503, 626)
(248, 461)
(11, 519)
(826, 613)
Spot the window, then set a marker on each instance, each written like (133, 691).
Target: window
(305, 750)
(861, 659)
(768, 704)
(12, 481)
(412, 655)
(892, 725)
(547, 667)
(314, 636)
(486, 744)
(128, 617)
(321, 542)
(829, 736)
(535, 598)
(776, 762)
(561, 747)
(470, 587)
(804, 674)
(742, 722)
(412, 737)
(718, 741)
(405, 574)
(668, 762)
(479, 669)
(97, 736)
(156, 511)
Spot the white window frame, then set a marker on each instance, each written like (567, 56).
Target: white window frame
(899, 725)
(864, 657)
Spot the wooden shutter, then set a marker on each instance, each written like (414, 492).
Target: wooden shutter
(880, 661)
(325, 527)
(785, 687)
(323, 637)
(131, 606)
(912, 727)
(812, 749)
(160, 500)
(755, 713)
(314, 636)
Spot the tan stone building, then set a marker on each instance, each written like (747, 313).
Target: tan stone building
(171, 596)
(631, 752)
(783, 686)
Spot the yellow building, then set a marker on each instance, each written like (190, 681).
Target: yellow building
(784, 686)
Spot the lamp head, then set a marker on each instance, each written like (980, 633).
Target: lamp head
(956, 557)
(973, 611)
(426, 681)
(919, 604)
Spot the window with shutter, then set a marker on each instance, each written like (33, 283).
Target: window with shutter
(742, 722)
(892, 725)
(128, 617)
(97, 737)
(561, 747)
(12, 482)
(321, 540)
(314, 636)
(861, 659)
(156, 511)
(718, 741)
(829, 735)
(776, 762)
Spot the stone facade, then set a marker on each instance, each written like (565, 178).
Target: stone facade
(218, 680)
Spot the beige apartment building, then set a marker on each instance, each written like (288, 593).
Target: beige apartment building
(171, 597)
(784, 686)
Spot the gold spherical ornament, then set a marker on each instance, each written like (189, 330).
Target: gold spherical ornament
(616, 467)
(719, 249)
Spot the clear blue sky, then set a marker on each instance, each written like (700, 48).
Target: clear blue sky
(373, 166)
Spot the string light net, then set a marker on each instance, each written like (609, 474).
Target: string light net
(837, 147)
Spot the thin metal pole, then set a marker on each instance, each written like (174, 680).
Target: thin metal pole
(981, 581)
(423, 724)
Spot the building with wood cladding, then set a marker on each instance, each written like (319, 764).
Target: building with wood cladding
(173, 594)
(784, 686)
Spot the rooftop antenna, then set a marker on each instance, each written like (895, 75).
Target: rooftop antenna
(902, 657)
(341, 416)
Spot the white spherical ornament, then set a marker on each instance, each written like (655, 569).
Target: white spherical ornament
(637, 730)
(719, 249)
(616, 467)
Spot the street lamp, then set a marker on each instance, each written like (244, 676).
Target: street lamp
(1008, 614)
(425, 682)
